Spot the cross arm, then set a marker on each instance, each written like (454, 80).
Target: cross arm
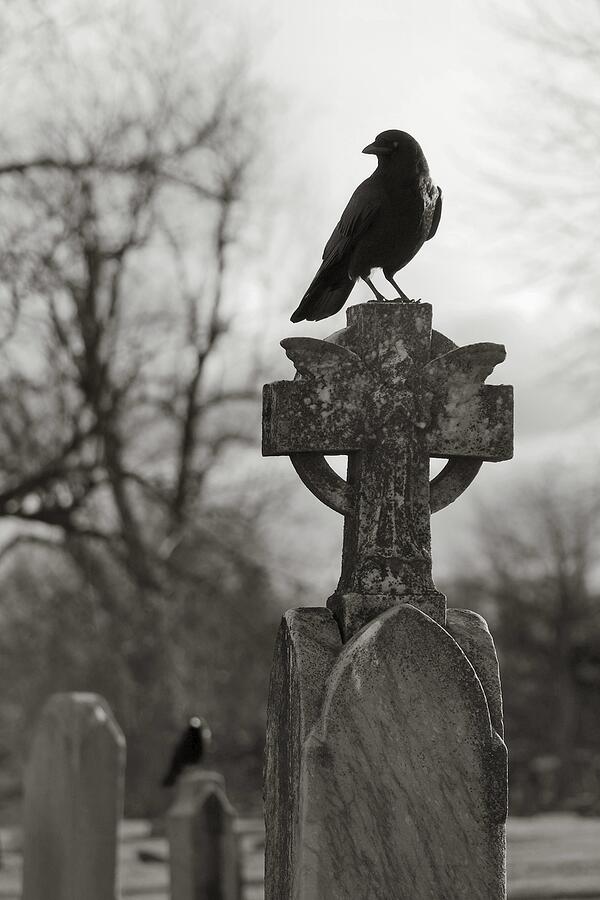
(322, 409)
(463, 416)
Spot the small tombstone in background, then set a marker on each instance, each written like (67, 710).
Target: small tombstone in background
(73, 801)
(385, 771)
(203, 850)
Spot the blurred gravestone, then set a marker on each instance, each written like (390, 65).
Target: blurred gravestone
(73, 801)
(385, 773)
(203, 848)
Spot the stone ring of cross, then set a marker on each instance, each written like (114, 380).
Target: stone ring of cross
(334, 491)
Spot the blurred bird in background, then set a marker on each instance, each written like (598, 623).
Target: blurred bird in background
(189, 750)
(387, 221)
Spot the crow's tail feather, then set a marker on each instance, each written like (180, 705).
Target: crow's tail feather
(323, 304)
(325, 296)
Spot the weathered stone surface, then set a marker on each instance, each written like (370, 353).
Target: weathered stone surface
(73, 801)
(455, 477)
(329, 414)
(203, 856)
(374, 392)
(402, 790)
(323, 481)
(353, 611)
(308, 643)
(466, 417)
(334, 491)
(471, 633)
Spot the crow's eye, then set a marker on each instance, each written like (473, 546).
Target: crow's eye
(395, 145)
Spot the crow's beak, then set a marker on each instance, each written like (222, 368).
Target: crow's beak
(377, 151)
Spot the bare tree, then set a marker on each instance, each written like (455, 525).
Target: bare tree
(127, 184)
(124, 207)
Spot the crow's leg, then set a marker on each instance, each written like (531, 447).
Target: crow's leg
(378, 295)
(401, 293)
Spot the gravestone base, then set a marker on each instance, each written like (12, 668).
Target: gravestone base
(353, 611)
(385, 772)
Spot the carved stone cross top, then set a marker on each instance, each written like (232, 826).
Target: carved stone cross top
(389, 393)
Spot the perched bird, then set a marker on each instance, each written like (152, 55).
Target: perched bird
(386, 222)
(189, 750)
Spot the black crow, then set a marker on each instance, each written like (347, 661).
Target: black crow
(386, 222)
(189, 750)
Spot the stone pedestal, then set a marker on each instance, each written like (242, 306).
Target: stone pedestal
(386, 768)
(73, 801)
(204, 862)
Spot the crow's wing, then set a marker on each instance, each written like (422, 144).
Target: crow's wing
(437, 213)
(362, 208)
(329, 289)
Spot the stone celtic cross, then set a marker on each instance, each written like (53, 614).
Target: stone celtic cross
(391, 394)
(386, 772)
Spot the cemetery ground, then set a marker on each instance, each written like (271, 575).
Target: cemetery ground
(550, 857)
